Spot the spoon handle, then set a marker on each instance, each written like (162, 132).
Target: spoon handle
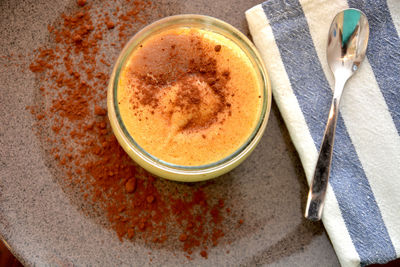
(319, 184)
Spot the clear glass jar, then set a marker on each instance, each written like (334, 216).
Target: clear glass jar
(178, 172)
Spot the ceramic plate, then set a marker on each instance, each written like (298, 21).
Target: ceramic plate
(45, 222)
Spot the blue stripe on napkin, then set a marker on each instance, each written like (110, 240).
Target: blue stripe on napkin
(383, 52)
(348, 180)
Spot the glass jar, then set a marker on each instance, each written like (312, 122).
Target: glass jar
(173, 171)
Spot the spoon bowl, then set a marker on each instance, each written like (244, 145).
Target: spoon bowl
(347, 42)
(347, 45)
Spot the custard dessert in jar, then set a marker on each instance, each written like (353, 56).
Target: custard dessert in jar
(189, 100)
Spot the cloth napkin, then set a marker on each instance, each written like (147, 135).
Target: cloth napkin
(362, 210)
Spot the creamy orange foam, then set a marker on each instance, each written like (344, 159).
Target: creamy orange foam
(189, 97)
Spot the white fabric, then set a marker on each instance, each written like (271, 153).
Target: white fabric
(365, 114)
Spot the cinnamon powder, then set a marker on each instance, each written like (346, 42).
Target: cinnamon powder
(185, 60)
(73, 73)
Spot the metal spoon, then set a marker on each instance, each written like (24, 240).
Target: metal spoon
(347, 44)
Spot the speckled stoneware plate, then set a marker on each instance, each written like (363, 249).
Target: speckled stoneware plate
(44, 222)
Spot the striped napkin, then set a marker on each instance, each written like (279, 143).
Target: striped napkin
(362, 210)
